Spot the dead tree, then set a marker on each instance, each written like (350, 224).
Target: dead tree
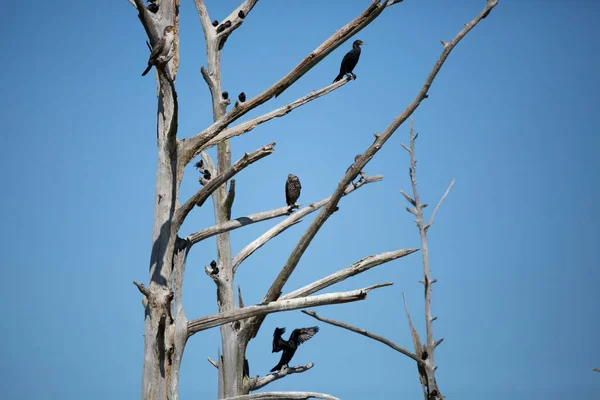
(423, 354)
(166, 328)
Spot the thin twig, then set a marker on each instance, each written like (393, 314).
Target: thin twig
(439, 204)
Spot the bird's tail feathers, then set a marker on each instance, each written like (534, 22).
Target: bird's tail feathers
(337, 78)
(147, 70)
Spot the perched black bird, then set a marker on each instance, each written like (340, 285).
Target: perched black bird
(200, 164)
(215, 22)
(289, 346)
(207, 175)
(152, 7)
(227, 24)
(242, 97)
(225, 95)
(292, 189)
(350, 60)
(241, 14)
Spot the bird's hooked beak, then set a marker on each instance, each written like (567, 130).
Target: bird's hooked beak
(362, 44)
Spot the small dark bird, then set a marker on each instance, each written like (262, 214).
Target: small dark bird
(207, 175)
(225, 95)
(242, 97)
(161, 48)
(153, 8)
(242, 14)
(292, 189)
(223, 26)
(350, 60)
(200, 164)
(289, 346)
(215, 23)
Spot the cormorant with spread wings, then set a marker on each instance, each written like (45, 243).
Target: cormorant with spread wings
(289, 346)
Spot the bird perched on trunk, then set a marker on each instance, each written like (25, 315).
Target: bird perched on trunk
(349, 61)
(292, 189)
(289, 346)
(161, 49)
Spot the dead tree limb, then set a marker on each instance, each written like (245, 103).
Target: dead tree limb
(211, 321)
(357, 268)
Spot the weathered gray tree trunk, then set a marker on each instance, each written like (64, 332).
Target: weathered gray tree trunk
(166, 328)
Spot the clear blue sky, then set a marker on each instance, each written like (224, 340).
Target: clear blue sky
(515, 246)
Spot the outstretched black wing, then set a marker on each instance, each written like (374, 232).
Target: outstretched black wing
(277, 339)
(301, 335)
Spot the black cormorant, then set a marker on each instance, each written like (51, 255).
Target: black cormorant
(349, 61)
(215, 23)
(289, 346)
(225, 95)
(242, 97)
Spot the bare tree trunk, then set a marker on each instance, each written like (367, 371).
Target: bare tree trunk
(166, 329)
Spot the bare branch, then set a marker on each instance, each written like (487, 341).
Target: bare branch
(200, 197)
(273, 376)
(142, 289)
(283, 396)
(279, 112)
(358, 267)
(193, 144)
(235, 18)
(132, 3)
(213, 362)
(437, 343)
(363, 332)
(439, 204)
(292, 220)
(408, 198)
(211, 321)
(238, 223)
